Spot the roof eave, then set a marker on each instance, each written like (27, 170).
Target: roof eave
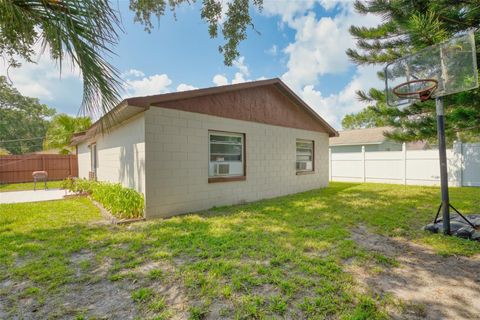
(145, 102)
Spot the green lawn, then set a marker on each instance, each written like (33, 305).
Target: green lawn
(28, 186)
(278, 258)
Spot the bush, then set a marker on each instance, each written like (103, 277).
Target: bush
(123, 203)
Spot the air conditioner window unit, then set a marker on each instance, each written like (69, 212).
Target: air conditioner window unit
(301, 165)
(222, 169)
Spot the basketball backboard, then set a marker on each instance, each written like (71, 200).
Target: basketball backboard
(439, 70)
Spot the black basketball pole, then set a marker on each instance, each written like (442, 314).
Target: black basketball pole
(442, 150)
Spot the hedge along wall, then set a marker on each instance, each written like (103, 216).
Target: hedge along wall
(123, 203)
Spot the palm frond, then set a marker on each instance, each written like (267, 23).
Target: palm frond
(81, 31)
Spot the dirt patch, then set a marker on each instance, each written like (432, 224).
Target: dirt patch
(430, 286)
(91, 294)
(95, 300)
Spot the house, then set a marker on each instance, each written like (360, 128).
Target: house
(192, 150)
(373, 139)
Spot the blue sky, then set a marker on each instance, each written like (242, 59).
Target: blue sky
(302, 42)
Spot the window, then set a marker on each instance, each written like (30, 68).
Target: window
(226, 155)
(93, 161)
(305, 155)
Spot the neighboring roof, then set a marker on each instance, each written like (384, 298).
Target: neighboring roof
(418, 145)
(360, 136)
(131, 106)
(366, 136)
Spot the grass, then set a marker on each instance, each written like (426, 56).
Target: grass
(29, 186)
(282, 257)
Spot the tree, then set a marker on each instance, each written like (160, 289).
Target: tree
(23, 120)
(61, 129)
(234, 27)
(80, 31)
(367, 118)
(85, 30)
(407, 27)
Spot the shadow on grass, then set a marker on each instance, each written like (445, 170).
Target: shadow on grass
(245, 258)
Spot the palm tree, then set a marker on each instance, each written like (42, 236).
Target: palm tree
(4, 152)
(84, 31)
(80, 30)
(61, 129)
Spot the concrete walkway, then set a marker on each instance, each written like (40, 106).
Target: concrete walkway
(31, 196)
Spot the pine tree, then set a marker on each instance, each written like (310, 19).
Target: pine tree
(407, 27)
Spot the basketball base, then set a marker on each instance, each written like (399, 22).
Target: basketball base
(459, 227)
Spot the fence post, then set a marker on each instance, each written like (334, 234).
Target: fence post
(69, 165)
(329, 164)
(458, 158)
(43, 163)
(364, 175)
(404, 160)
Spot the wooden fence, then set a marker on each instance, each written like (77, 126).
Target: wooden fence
(19, 168)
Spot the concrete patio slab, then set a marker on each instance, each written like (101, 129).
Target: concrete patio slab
(31, 196)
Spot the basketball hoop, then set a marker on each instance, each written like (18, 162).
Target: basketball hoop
(409, 89)
(434, 72)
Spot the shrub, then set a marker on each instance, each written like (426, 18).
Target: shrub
(67, 183)
(122, 202)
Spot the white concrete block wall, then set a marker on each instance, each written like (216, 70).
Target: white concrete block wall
(83, 158)
(120, 154)
(177, 162)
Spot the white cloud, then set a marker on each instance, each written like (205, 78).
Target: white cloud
(320, 45)
(156, 84)
(319, 49)
(220, 80)
(185, 87)
(335, 106)
(240, 65)
(240, 76)
(316, 50)
(133, 73)
(287, 9)
(330, 4)
(42, 79)
(273, 50)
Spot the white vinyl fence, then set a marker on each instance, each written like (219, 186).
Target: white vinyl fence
(415, 167)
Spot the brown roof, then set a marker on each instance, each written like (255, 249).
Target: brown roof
(360, 136)
(135, 105)
(371, 136)
(80, 136)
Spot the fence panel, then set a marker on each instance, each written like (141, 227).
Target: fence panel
(416, 167)
(471, 171)
(19, 168)
(348, 166)
(384, 166)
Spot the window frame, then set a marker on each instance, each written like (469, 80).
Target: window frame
(241, 177)
(93, 159)
(309, 171)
